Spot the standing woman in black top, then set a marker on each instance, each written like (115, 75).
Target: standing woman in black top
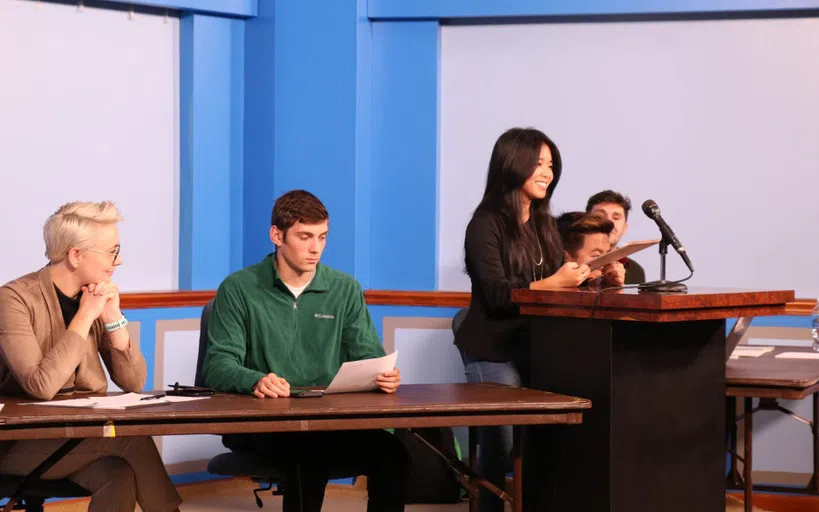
(511, 242)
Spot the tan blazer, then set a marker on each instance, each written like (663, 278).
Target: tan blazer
(39, 357)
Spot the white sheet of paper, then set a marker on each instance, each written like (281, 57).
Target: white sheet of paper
(620, 253)
(356, 376)
(124, 401)
(71, 402)
(751, 351)
(130, 400)
(177, 399)
(1, 406)
(798, 355)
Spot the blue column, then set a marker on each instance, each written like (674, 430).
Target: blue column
(301, 132)
(211, 149)
(404, 139)
(347, 109)
(259, 141)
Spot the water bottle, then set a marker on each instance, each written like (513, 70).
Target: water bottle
(815, 326)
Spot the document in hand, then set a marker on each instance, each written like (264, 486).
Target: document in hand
(356, 376)
(620, 253)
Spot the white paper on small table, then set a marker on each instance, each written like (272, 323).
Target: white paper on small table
(357, 376)
(750, 351)
(123, 401)
(798, 355)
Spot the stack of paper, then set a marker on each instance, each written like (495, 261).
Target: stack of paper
(124, 401)
(750, 351)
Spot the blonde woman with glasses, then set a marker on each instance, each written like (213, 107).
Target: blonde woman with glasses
(55, 326)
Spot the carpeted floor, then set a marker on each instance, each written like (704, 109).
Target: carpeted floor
(237, 495)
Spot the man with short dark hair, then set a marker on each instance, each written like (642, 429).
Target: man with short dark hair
(291, 320)
(616, 207)
(585, 236)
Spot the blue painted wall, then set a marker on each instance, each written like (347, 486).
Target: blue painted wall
(404, 170)
(211, 149)
(349, 120)
(342, 99)
(301, 128)
(258, 191)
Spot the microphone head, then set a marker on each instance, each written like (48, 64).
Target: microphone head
(650, 208)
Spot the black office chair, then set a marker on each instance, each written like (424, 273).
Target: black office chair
(38, 491)
(235, 463)
(458, 319)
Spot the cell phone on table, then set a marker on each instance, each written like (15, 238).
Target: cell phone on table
(306, 393)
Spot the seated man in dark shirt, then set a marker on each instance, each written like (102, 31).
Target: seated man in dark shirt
(616, 207)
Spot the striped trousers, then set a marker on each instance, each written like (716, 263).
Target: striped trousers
(119, 472)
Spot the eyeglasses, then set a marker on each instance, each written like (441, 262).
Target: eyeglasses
(114, 253)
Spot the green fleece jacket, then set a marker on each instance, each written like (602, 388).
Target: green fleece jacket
(258, 327)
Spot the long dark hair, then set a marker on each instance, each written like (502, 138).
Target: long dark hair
(514, 159)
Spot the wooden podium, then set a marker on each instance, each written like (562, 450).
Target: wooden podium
(653, 366)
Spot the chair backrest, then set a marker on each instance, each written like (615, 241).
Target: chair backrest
(458, 319)
(199, 380)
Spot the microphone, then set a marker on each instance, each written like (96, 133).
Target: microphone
(651, 210)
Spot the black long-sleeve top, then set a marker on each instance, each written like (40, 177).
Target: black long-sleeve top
(493, 329)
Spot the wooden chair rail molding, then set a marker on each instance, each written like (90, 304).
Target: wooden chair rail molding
(373, 298)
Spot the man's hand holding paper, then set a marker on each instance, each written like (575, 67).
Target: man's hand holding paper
(388, 382)
(367, 375)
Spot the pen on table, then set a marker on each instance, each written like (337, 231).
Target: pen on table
(153, 397)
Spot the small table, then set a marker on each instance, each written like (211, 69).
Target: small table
(769, 379)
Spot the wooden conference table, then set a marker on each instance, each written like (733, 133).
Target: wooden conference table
(413, 406)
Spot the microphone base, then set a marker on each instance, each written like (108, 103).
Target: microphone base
(663, 287)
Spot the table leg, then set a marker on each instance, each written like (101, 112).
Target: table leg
(473, 465)
(749, 433)
(40, 470)
(517, 465)
(814, 483)
(731, 430)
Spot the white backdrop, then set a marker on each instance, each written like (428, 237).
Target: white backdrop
(89, 111)
(717, 121)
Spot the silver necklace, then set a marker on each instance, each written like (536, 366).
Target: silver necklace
(539, 263)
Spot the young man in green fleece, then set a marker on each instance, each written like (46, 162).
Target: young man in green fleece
(290, 320)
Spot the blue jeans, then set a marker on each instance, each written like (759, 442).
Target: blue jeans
(495, 443)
